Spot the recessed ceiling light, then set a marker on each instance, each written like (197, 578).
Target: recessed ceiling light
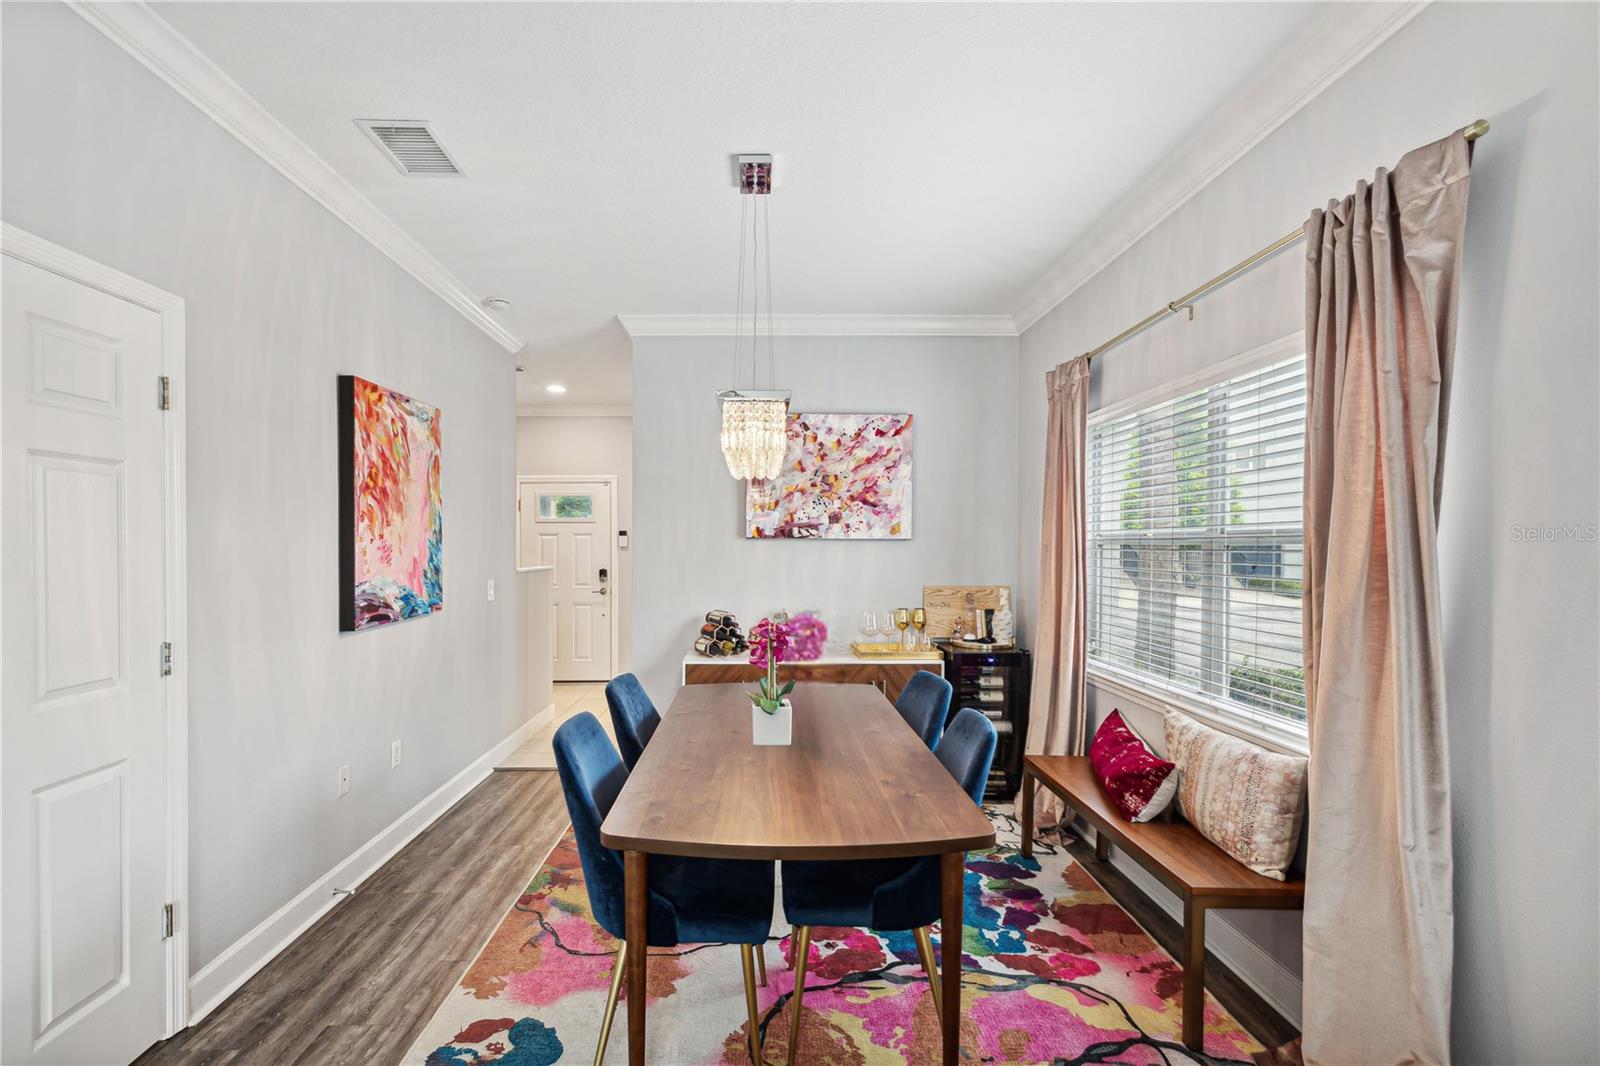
(497, 303)
(553, 387)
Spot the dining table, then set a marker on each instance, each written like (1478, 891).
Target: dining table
(855, 782)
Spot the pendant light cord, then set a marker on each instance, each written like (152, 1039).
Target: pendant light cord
(772, 351)
(738, 312)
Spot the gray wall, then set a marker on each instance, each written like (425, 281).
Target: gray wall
(590, 445)
(690, 554)
(105, 159)
(1519, 616)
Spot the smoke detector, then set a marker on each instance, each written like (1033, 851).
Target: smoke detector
(410, 145)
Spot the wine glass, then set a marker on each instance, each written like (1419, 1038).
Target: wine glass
(902, 619)
(869, 626)
(919, 618)
(886, 627)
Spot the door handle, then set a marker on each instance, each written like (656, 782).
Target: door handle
(603, 591)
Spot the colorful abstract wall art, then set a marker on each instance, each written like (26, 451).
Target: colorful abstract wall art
(844, 477)
(391, 516)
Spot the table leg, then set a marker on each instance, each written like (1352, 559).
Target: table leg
(952, 872)
(636, 911)
(1027, 812)
(1194, 974)
(1102, 846)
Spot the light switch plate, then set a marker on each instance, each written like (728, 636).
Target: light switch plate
(344, 780)
(394, 754)
(491, 590)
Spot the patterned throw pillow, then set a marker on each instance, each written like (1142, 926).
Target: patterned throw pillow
(1246, 800)
(1139, 781)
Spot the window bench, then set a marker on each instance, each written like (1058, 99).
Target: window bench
(1196, 870)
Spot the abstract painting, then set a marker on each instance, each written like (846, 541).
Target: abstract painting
(844, 477)
(391, 516)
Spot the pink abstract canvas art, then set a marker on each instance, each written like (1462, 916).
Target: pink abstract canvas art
(391, 513)
(844, 477)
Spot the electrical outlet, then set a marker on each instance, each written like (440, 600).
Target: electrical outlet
(491, 590)
(394, 754)
(344, 780)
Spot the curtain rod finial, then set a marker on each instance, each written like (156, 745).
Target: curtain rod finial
(1477, 129)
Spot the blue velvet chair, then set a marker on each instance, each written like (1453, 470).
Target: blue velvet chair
(884, 894)
(924, 703)
(697, 901)
(633, 717)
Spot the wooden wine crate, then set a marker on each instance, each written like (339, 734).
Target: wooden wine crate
(947, 605)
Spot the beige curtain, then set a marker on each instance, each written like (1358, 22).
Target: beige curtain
(1058, 708)
(1382, 276)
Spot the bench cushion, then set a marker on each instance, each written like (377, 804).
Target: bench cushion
(1246, 800)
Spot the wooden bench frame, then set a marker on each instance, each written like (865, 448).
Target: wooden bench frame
(1196, 870)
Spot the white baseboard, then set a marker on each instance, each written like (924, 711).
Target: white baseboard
(1253, 965)
(222, 976)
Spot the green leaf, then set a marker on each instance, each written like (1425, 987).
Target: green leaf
(787, 688)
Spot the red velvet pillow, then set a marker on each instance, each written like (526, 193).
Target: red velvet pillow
(1139, 781)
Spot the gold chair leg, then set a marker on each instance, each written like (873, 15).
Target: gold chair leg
(925, 951)
(761, 963)
(611, 1001)
(747, 957)
(800, 947)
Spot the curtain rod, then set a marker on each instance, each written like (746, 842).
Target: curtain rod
(1186, 301)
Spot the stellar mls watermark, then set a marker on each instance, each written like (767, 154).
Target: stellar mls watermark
(1575, 533)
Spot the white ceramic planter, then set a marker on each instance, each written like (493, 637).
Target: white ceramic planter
(772, 728)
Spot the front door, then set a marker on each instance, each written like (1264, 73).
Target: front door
(83, 773)
(568, 525)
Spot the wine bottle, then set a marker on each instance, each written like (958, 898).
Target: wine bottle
(721, 618)
(710, 647)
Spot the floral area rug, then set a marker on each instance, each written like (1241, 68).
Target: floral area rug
(1055, 972)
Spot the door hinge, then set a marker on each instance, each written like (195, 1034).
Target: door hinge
(167, 910)
(165, 393)
(166, 658)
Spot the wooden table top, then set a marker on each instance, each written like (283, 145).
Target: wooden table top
(857, 782)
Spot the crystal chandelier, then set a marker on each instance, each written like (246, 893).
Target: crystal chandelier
(754, 420)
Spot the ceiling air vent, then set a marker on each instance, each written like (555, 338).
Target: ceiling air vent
(410, 146)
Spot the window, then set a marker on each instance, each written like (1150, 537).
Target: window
(1195, 545)
(554, 505)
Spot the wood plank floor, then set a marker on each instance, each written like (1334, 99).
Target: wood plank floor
(358, 987)
(361, 983)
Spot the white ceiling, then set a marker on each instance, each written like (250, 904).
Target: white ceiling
(931, 159)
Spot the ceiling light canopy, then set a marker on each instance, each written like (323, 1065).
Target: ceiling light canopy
(754, 420)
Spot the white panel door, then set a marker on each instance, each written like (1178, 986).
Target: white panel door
(568, 525)
(83, 774)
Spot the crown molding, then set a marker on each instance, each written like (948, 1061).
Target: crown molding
(575, 410)
(824, 325)
(1333, 46)
(151, 40)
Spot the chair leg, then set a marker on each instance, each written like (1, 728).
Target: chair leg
(925, 952)
(761, 963)
(747, 957)
(800, 947)
(611, 1001)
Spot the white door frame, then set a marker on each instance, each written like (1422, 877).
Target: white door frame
(611, 481)
(28, 248)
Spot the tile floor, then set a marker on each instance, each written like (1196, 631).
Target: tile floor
(571, 698)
